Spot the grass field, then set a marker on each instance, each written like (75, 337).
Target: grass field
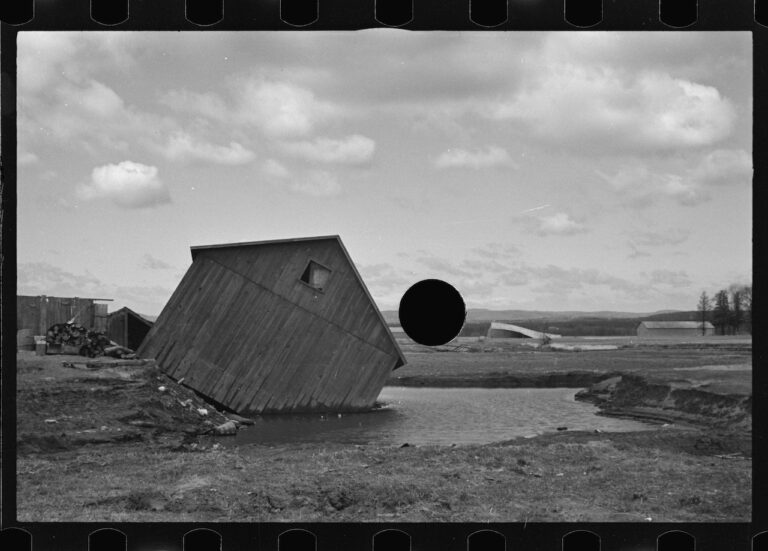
(723, 363)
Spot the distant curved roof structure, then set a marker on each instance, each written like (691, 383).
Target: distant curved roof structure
(498, 328)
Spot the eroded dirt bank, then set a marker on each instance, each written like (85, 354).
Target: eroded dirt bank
(708, 384)
(568, 379)
(683, 401)
(62, 408)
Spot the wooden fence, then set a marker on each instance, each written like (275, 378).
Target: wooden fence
(39, 313)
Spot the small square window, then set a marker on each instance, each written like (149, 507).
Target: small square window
(315, 275)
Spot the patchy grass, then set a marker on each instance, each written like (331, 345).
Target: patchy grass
(563, 477)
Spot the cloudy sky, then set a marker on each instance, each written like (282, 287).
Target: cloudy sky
(552, 171)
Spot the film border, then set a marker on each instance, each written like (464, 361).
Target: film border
(713, 15)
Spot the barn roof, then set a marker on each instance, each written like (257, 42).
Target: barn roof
(194, 250)
(135, 314)
(675, 325)
(522, 330)
(197, 248)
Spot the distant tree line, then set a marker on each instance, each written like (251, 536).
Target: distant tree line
(729, 310)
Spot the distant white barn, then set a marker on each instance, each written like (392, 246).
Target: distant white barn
(508, 331)
(672, 329)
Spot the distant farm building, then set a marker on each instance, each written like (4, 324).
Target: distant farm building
(275, 326)
(499, 330)
(672, 329)
(127, 328)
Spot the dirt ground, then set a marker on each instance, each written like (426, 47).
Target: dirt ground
(108, 445)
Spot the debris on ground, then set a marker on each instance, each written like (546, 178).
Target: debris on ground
(102, 363)
(239, 419)
(70, 338)
(230, 427)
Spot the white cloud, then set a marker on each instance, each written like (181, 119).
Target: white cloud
(45, 56)
(577, 105)
(684, 191)
(153, 263)
(352, 150)
(559, 281)
(672, 278)
(559, 223)
(641, 187)
(181, 146)
(491, 156)
(127, 184)
(281, 110)
(206, 104)
(383, 278)
(672, 236)
(94, 98)
(496, 250)
(317, 183)
(723, 167)
(42, 278)
(40, 55)
(275, 169)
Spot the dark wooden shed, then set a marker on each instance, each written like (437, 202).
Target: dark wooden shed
(275, 326)
(127, 328)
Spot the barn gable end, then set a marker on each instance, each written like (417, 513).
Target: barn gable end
(249, 328)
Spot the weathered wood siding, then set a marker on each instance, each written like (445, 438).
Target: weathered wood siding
(127, 329)
(40, 312)
(243, 329)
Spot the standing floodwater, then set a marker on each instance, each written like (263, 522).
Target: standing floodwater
(441, 416)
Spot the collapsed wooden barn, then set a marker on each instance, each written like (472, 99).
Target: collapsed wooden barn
(275, 326)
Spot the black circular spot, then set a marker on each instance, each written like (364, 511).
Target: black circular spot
(432, 312)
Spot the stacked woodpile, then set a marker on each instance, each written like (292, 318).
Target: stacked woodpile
(70, 336)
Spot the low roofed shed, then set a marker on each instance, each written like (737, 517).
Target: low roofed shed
(674, 329)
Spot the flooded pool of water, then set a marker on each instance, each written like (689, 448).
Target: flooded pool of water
(443, 416)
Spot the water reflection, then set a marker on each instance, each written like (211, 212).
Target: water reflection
(441, 416)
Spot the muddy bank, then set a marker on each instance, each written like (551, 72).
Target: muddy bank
(559, 379)
(682, 401)
(63, 408)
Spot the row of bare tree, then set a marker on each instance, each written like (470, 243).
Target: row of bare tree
(729, 310)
